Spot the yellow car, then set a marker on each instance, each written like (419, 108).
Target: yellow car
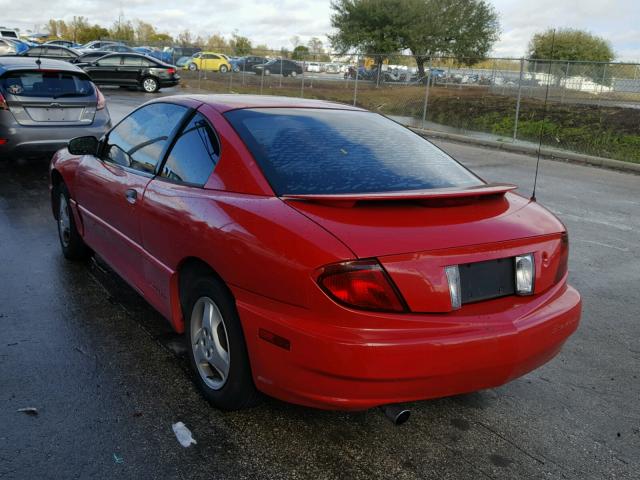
(208, 61)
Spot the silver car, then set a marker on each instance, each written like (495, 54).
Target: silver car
(45, 103)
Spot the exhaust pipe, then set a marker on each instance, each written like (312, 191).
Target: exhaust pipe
(397, 414)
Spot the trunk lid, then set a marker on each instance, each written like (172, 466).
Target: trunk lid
(416, 237)
(390, 225)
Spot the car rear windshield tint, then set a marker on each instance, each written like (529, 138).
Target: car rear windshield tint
(317, 151)
(46, 84)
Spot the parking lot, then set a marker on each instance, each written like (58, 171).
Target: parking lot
(108, 377)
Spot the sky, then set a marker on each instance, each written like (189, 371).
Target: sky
(275, 22)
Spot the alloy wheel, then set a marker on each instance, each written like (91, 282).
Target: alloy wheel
(150, 85)
(64, 221)
(210, 343)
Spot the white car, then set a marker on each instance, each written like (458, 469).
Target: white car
(313, 67)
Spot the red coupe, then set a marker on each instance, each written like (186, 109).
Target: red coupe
(317, 252)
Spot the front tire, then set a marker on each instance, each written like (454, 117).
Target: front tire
(150, 85)
(71, 243)
(267, 72)
(216, 346)
(294, 74)
(193, 67)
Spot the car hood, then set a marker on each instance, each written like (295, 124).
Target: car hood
(396, 226)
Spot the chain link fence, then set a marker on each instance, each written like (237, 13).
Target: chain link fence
(591, 108)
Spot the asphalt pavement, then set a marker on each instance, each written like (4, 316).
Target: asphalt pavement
(108, 377)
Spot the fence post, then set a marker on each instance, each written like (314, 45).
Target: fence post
(379, 70)
(355, 88)
(231, 79)
(281, 63)
(564, 87)
(426, 96)
(515, 122)
(261, 79)
(604, 76)
(302, 87)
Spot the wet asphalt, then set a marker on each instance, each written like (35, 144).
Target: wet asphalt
(108, 377)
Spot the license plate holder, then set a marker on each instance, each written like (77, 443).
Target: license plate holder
(486, 280)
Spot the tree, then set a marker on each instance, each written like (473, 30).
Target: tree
(370, 26)
(570, 45)
(240, 45)
(295, 41)
(464, 29)
(300, 53)
(261, 49)
(315, 45)
(185, 39)
(122, 30)
(217, 42)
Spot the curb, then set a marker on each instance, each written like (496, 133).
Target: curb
(545, 152)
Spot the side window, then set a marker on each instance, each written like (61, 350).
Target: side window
(215, 57)
(138, 142)
(110, 61)
(35, 51)
(132, 61)
(194, 155)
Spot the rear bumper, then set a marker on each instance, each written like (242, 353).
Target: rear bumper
(165, 82)
(22, 140)
(332, 367)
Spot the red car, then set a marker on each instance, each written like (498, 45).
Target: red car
(317, 252)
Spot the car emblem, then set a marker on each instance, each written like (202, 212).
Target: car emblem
(55, 105)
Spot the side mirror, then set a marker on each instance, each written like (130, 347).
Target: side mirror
(83, 146)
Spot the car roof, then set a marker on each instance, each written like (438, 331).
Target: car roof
(226, 102)
(30, 63)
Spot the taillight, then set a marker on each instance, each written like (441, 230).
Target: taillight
(563, 261)
(3, 103)
(171, 71)
(361, 284)
(102, 102)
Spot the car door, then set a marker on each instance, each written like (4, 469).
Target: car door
(173, 203)
(131, 70)
(104, 71)
(109, 187)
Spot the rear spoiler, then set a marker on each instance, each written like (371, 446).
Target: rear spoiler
(452, 193)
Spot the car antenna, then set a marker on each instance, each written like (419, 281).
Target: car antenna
(544, 115)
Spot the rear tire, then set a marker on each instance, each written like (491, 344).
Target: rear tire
(294, 73)
(150, 85)
(223, 69)
(71, 243)
(216, 345)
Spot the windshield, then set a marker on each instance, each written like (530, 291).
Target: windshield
(321, 151)
(46, 84)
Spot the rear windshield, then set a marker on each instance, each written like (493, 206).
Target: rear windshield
(46, 84)
(313, 151)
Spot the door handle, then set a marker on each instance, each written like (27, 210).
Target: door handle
(131, 195)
